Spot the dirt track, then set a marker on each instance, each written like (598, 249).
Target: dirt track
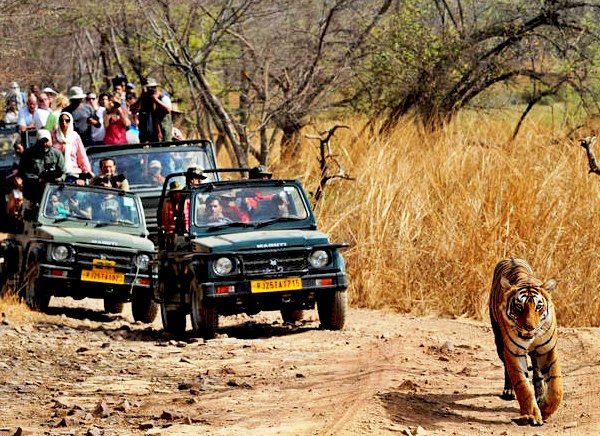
(80, 372)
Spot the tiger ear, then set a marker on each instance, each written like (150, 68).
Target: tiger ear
(505, 284)
(549, 285)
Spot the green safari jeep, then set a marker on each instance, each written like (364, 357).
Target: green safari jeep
(245, 246)
(83, 242)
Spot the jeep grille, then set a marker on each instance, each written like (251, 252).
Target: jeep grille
(273, 263)
(86, 256)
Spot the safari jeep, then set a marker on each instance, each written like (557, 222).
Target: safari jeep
(83, 242)
(135, 160)
(245, 246)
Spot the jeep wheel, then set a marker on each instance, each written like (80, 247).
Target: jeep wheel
(34, 299)
(142, 307)
(112, 306)
(292, 315)
(173, 320)
(205, 318)
(332, 310)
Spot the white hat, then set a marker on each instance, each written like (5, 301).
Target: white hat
(14, 85)
(151, 82)
(49, 90)
(76, 93)
(43, 134)
(155, 164)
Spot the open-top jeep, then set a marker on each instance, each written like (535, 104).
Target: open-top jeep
(145, 165)
(83, 242)
(244, 246)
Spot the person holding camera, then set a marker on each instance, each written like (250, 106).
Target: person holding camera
(116, 122)
(40, 164)
(154, 114)
(108, 175)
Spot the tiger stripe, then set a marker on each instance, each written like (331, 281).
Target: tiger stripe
(524, 324)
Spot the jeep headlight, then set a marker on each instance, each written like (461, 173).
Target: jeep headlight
(141, 261)
(318, 258)
(223, 266)
(60, 253)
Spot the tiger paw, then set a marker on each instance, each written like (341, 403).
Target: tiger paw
(529, 420)
(508, 394)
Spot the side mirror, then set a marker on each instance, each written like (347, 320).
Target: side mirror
(29, 214)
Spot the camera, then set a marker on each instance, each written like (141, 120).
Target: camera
(116, 104)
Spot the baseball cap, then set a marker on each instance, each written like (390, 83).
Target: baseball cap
(155, 164)
(43, 134)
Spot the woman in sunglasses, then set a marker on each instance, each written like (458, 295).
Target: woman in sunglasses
(69, 143)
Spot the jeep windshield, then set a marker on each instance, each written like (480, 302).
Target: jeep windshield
(96, 207)
(146, 167)
(252, 205)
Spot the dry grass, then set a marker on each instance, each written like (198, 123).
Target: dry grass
(429, 216)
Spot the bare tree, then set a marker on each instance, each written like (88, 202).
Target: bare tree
(454, 51)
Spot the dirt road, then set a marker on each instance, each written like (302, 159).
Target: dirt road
(80, 372)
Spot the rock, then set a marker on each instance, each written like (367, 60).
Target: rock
(167, 415)
(146, 425)
(124, 406)
(184, 386)
(102, 410)
(67, 421)
(93, 431)
(571, 424)
(420, 431)
(23, 432)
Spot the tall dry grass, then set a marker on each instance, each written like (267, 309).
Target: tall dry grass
(429, 216)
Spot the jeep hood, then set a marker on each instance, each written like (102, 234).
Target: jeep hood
(94, 236)
(270, 239)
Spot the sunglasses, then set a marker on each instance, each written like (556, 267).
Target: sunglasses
(64, 120)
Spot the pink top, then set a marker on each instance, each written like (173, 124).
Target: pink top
(116, 132)
(78, 161)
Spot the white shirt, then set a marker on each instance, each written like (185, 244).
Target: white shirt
(40, 117)
(99, 132)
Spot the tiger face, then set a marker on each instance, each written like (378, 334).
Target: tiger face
(527, 307)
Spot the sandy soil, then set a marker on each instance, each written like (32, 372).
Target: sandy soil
(80, 372)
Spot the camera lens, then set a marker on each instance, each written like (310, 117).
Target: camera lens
(116, 104)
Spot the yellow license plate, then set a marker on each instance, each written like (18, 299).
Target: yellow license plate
(103, 276)
(274, 285)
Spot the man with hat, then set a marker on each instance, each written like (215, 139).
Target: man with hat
(83, 114)
(154, 114)
(260, 172)
(39, 164)
(194, 176)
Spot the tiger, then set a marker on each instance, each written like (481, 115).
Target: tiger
(524, 324)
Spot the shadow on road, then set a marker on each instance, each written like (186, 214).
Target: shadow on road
(433, 410)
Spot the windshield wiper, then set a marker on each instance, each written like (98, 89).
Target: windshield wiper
(225, 225)
(106, 223)
(69, 217)
(277, 220)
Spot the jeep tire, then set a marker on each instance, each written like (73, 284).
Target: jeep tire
(332, 307)
(111, 305)
(205, 318)
(142, 307)
(173, 320)
(33, 297)
(292, 315)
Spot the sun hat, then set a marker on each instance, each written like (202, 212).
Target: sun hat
(49, 90)
(43, 134)
(258, 172)
(151, 82)
(195, 171)
(175, 186)
(75, 93)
